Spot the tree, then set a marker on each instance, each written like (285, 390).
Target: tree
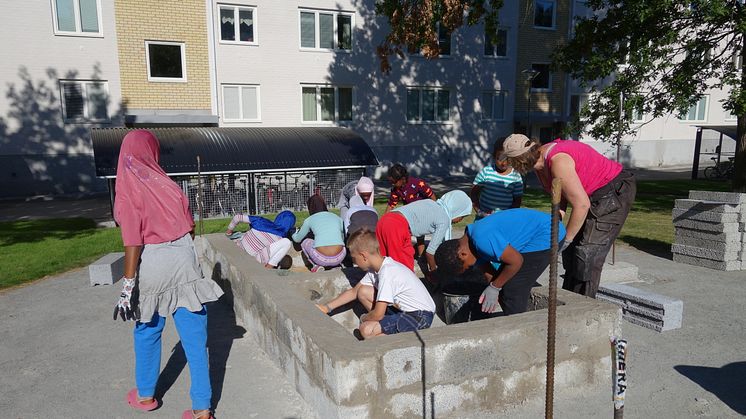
(664, 55)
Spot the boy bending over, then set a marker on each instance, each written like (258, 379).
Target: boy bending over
(402, 303)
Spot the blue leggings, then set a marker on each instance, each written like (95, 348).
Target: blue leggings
(192, 328)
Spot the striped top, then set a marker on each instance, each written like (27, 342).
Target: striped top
(498, 190)
(254, 242)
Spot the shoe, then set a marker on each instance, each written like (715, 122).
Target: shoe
(189, 414)
(134, 401)
(317, 268)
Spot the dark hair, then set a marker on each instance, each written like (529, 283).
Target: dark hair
(316, 204)
(397, 172)
(446, 258)
(498, 147)
(286, 262)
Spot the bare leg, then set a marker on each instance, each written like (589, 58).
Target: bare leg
(366, 295)
(370, 329)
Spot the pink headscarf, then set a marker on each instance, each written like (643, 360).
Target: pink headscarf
(365, 185)
(148, 205)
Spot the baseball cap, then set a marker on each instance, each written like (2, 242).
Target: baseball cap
(516, 144)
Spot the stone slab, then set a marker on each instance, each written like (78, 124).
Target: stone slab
(107, 270)
(702, 252)
(708, 235)
(644, 308)
(732, 265)
(727, 197)
(710, 206)
(706, 226)
(710, 217)
(726, 247)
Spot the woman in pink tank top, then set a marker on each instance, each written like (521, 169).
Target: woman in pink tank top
(599, 190)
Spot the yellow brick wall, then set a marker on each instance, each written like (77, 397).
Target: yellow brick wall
(535, 46)
(163, 20)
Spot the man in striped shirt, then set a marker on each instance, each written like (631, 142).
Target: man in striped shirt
(497, 186)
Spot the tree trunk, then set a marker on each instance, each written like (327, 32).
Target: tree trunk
(739, 175)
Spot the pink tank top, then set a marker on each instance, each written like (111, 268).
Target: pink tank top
(592, 167)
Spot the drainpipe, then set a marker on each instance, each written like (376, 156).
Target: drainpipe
(213, 60)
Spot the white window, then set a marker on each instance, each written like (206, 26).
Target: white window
(492, 104)
(698, 111)
(325, 30)
(166, 61)
(327, 103)
(638, 112)
(577, 102)
(542, 82)
(84, 100)
(241, 103)
(77, 17)
(237, 24)
(497, 46)
(729, 116)
(428, 104)
(544, 13)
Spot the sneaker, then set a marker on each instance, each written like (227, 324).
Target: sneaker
(317, 268)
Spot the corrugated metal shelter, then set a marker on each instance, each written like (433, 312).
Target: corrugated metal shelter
(255, 170)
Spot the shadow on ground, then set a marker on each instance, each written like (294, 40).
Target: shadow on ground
(725, 382)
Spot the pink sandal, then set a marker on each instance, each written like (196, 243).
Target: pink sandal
(134, 401)
(189, 414)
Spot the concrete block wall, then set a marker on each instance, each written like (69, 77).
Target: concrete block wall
(710, 230)
(467, 369)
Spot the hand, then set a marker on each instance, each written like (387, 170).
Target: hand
(488, 299)
(127, 306)
(228, 232)
(362, 318)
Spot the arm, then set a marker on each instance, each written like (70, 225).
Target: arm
(345, 297)
(563, 167)
(237, 219)
(474, 194)
(379, 310)
(131, 260)
(302, 231)
(393, 201)
(512, 262)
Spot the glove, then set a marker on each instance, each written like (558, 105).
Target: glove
(564, 245)
(488, 299)
(127, 306)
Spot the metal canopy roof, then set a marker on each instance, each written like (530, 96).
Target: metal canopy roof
(241, 150)
(729, 130)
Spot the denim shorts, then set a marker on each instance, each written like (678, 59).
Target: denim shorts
(398, 321)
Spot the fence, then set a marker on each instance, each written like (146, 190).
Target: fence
(261, 193)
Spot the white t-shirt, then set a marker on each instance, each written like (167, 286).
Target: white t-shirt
(398, 285)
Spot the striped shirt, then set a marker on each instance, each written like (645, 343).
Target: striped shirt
(498, 190)
(255, 243)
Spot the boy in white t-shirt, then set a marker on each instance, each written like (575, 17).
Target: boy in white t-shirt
(402, 303)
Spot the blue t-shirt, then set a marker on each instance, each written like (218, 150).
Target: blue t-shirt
(524, 229)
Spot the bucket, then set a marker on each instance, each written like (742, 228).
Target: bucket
(457, 307)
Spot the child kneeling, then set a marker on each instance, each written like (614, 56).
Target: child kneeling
(402, 303)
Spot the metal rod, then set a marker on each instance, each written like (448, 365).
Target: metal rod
(200, 204)
(552, 311)
(618, 375)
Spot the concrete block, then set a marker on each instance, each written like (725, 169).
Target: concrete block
(619, 272)
(706, 226)
(107, 270)
(726, 247)
(707, 235)
(710, 217)
(702, 252)
(644, 308)
(727, 197)
(731, 265)
(709, 206)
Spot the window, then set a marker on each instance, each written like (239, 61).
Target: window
(426, 104)
(237, 25)
(543, 80)
(84, 100)
(444, 40)
(240, 102)
(492, 104)
(730, 116)
(77, 17)
(166, 61)
(325, 30)
(577, 102)
(697, 112)
(637, 112)
(544, 14)
(497, 47)
(327, 103)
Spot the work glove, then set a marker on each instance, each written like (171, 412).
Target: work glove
(564, 245)
(127, 306)
(488, 299)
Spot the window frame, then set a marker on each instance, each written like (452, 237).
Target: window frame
(336, 88)
(435, 89)
(551, 79)
(554, 17)
(78, 25)
(507, 45)
(240, 102)
(682, 117)
(583, 99)
(183, 78)
(493, 94)
(236, 30)
(86, 119)
(729, 116)
(317, 32)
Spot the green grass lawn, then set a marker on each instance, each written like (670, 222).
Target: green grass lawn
(34, 249)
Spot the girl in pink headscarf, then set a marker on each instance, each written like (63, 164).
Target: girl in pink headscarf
(362, 187)
(157, 228)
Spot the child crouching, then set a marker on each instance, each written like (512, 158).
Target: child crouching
(402, 303)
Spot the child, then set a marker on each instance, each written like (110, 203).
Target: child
(362, 188)
(396, 286)
(266, 239)
(326, 249)
(407, 189)
(359, 216)
(395, 229)
(517, 238)
(497, 186)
